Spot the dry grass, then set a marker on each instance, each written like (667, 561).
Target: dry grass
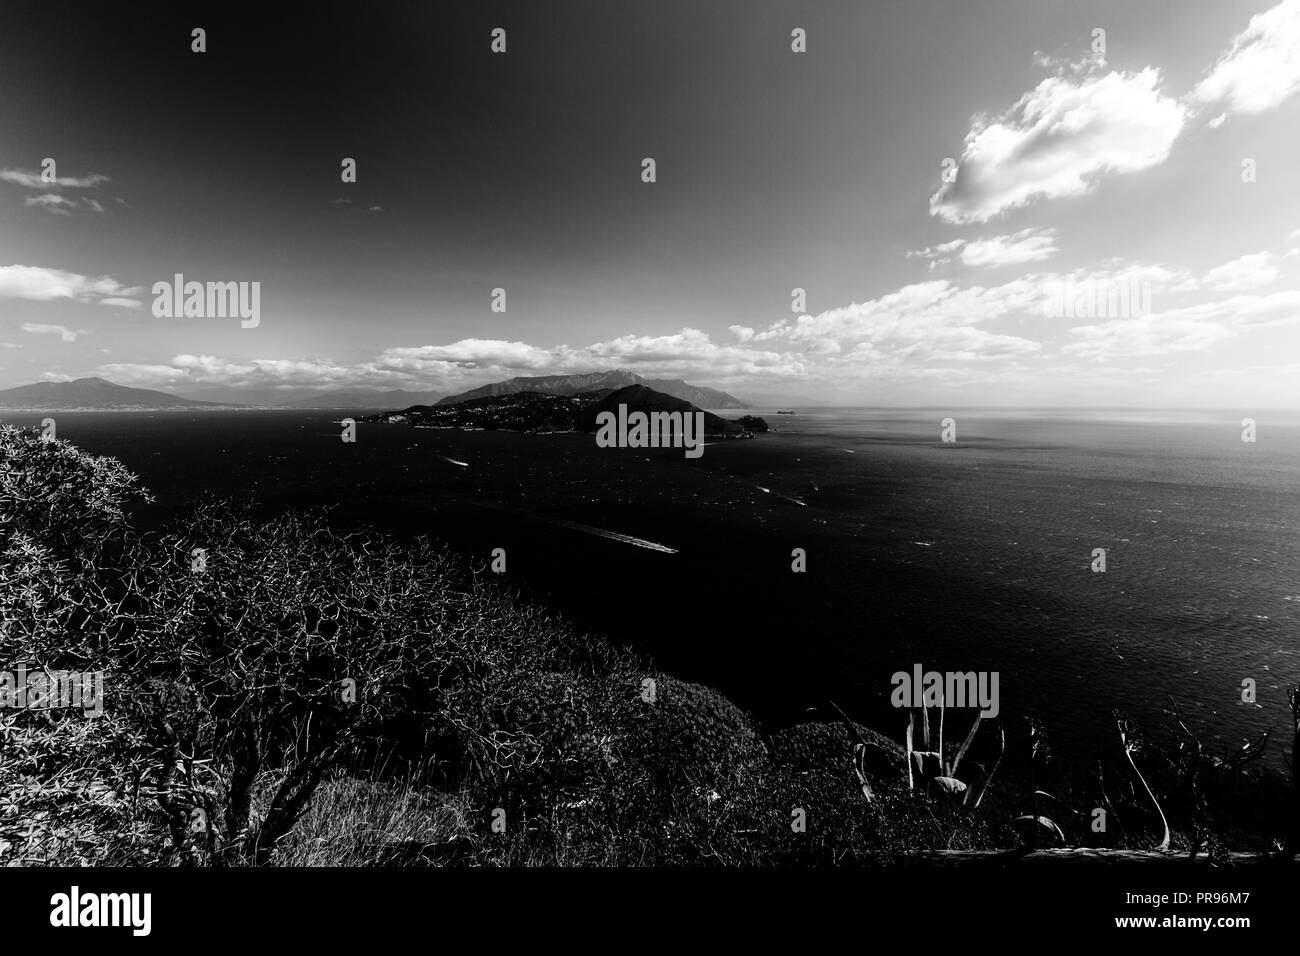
(355, 822)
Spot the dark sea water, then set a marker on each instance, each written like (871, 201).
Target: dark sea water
(967, 556)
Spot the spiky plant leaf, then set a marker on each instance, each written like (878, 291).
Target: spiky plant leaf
(910, 721)
(859, 768)
(965, 745)
(1002, 736)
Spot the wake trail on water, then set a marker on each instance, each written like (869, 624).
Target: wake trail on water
(611, 535)
(802, 504)
(584, 528)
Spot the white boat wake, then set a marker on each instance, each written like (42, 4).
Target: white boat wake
(802, 504)
(579, 526)
(612, 535)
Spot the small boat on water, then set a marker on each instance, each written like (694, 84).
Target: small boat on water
(785, 411)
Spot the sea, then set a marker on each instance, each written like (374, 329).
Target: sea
(977, 554)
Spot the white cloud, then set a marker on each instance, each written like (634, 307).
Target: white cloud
(471, 362)
(774, 331)
(52, 202)
(62, 331)
(1195, 328)
(940, 253)
(61, 205)
(1262, 67)
(1155, 334)
(210, 370)
(1057, 140)
(934, 321)
(43, 285)
(915, 310)
(32, 180)
(930, 337)
(1243, 274)
(133, 373)
(686, 352)
(472, 352)
(1028, 245)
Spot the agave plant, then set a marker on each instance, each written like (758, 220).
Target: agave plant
(933, 767)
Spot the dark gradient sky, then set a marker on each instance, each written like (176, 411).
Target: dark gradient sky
(522, 170)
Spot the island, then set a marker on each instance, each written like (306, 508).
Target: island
(544, 413)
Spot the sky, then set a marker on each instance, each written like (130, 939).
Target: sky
(1028, 203)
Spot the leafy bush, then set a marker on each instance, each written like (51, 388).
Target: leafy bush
(692, 742)
(61, 510)
(69, 784)
(59, 497)
(296, 646)
(70, 791)
(815, 747)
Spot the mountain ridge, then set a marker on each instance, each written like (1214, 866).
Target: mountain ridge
(95, 393)
(543, 412)
(581, 382)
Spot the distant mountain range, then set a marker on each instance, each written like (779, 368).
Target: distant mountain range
(91, 393)
(103, 395)
(98, 393)
(597, 381)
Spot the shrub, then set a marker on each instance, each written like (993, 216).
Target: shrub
(61, 513)
(692, 742)
(817, 747)
(59, 497)
(70, 791)
(69, 784)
